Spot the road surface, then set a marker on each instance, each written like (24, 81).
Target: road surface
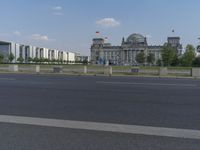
(55, 112)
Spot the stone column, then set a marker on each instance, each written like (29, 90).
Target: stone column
(127, 55)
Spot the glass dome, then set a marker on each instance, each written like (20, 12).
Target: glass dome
(136, 38)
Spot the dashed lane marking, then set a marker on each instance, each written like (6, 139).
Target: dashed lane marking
(148, 84)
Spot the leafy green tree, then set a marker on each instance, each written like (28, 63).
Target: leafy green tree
(58, 61)
(42, 60)
(1, 58)
(30, 59)
(53, 61)
(11, 57)
(46, 60)
(65, 62)
(168, 54)
(189, 56)
(196, 62)
(36, 60)
(85, 62)
(176, 60)
(20, 59)
(140, 57)
(151, 58)
(159, 62)
(61, 61)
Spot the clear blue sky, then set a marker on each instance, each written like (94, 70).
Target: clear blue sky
(71, 24)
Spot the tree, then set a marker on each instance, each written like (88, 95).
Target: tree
(196, 62)
(11, 57)
(53, 61)
(36, 60)
(1, 58)
(159, 62)
(189, 56)
(58, 61)
(30, 59)
(140, 57)
(42, 60)
(151, 58)
(20, 59)
(176, 60)
(85, 62)
(47, 60)
(168, 54)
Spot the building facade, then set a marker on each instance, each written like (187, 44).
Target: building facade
(28, 51)
(103, 53)
(81, 58)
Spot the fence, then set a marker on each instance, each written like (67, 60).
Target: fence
(101, 70)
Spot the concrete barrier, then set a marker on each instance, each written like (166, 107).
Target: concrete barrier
(163, 71)
(85, 70)
(13, 68)
(135, 70)
(108, 70)
(37, 68)
(58, 69)
(195, 72)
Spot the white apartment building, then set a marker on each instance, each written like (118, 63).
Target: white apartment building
(28, 51)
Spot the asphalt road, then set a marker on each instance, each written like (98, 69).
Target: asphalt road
(156, 102)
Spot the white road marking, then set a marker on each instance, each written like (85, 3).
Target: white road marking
(149, 84)
(10, 79)
(107, 127)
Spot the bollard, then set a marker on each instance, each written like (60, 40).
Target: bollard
(13, 68)
(85, 70)
(163, 71)
(37, 68)
(196, 72)
(108, 70)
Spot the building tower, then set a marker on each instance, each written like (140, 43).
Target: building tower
(175, 43)
(97, 53)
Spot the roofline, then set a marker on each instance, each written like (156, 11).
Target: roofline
(9, 42)
(174, 37)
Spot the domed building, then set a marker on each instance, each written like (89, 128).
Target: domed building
(104, 53)
(136, 38)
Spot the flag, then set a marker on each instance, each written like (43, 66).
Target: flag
(106, 39)
(173, 30)
(97, 32)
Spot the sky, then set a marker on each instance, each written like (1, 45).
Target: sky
(72, 24)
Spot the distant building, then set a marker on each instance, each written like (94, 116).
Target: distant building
(28, 51)
(175, 42)
(82, 59)
(198, 50)
(103, 53)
